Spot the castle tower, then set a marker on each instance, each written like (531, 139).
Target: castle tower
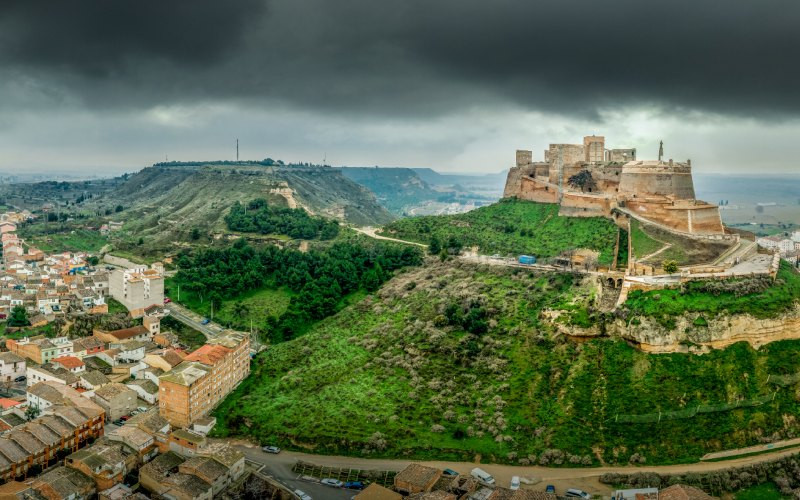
(594, 147)
(524, 157)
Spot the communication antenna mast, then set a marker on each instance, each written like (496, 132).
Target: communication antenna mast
(324, 158)
(237, 149)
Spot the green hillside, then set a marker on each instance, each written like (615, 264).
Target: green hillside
(514, 227)
(164, 204)
(455, 361)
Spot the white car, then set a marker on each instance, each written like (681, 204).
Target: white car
(332, 482)
(576, 493)
(271, 449)
(514, 483)
(302, 494)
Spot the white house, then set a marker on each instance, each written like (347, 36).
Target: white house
(11, 366)
(69, 363)
(145, 389)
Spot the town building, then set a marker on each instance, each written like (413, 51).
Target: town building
(137, 288)
(50, 373)
(116, 399)
(162, 477)
(194, 387)
(416, 478)
(40, 349)
(69, 363)
(12, 366)
(106, 462)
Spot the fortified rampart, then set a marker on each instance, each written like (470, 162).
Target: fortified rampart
(588, 180)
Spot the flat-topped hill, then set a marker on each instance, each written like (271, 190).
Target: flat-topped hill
(164, 203)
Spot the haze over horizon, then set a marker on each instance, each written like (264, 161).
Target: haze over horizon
(109, 87)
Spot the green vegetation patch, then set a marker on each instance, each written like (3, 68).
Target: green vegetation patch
(259, 217)
(58, 237)
(513, 227)
(451, 361)
(760, 297)
(642, 243)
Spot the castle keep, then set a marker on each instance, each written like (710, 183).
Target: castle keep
(589, 180)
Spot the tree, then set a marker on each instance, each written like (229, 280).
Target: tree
(141, 241)
(583, 180)
(93, 260)
(195, 234)
(32, 412)
(18, 317)
(435, 246)
(670, 266)
(118, 209)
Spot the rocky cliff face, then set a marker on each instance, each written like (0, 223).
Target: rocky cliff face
(721, 332)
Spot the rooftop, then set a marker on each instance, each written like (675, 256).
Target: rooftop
(209, 354)
(418, 475)
(186, 373)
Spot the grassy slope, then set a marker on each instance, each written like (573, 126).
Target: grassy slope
(499, 228)
(384, 366)
(260, 304)
(56, 237)
(642, 243)
(769, 303)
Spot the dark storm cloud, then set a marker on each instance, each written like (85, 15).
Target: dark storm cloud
(413, 57)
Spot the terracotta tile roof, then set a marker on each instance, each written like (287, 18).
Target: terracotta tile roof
(209, 354)
(683, 492)
(6, 403)
(127, 333)
(417, 475)
(68, 362)
(377, 492)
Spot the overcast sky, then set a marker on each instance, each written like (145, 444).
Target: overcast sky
(457, 85)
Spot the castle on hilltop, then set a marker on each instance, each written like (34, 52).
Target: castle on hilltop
(588, 180)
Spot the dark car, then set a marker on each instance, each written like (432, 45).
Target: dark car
(118, 422)
(550, 489)
(124, 417)
(450, 472)
(21, 378)
(354, 485)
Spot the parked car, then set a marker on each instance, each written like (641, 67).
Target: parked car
(514, 483)
(332, 482)
(142, 409)
(550, 489)
(3, 316)
(482, 475)
(576, 493)
(302, 494)
(21, 378)
(205, 321)
(450, 472)
(119, 422)
(354, 485)
(125, 417)
(167, 300)
(271, 449)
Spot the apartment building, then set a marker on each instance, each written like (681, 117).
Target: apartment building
(137, 288)
(194, 387)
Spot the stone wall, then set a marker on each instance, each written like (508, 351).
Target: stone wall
(621, 155)
(536, 190)
(585, 205)
(649, 178)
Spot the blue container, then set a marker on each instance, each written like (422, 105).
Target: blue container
(527, 259)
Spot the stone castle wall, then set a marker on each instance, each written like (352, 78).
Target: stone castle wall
(655, 178)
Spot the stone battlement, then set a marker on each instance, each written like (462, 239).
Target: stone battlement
(588, 180)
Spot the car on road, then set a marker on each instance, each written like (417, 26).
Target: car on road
(141, 409)
(482, 476)
(167, 300)
(21, 378)
(205, 321)
(550, 489)
(450, 472)
(514, 483)
(354, 485)
(302, 494)
(576, 493)
(332, 482)
(125, 417)
(271, 449)
(119, 422)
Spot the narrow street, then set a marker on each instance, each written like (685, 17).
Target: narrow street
(193, 320)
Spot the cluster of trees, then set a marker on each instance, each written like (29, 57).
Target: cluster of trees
(18, 317)
(320, 278)
(258, 217)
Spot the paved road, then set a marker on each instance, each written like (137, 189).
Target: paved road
(586, 478)
(193, 320)
(280, 467)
